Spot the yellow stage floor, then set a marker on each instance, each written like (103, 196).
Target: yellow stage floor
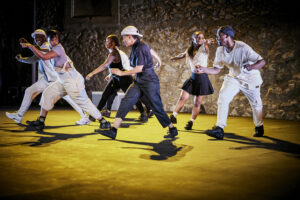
(73, 162)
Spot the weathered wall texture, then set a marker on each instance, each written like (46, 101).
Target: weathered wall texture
(167, 27)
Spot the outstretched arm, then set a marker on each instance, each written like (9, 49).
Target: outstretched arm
(27, 60)
(179, 56)
(101, 67)
(214, 70)
(38, 53)
(135, 70)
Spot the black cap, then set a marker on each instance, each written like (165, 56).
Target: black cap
(228, 30)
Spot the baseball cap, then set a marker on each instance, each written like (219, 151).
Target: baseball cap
(228, 30)
(38, 32)
(131, 30)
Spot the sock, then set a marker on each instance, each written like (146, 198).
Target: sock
(175, 114)
(192, 120)
(102, 120)
(42, 119)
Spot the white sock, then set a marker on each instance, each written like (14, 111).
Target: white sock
(192, 120)
(175, 114)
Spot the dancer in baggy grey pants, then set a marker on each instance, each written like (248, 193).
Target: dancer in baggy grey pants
(70, 82)
(46, 76)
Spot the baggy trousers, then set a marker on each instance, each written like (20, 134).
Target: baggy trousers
(229, 89)
(72, 84)
(151, 91)
(37, 88)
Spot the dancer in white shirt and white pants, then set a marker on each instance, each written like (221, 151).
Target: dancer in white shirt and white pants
(243, 63)
(46, 76)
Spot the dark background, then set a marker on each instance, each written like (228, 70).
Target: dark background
(271, 27)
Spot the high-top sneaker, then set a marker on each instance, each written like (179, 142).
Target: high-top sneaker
(259, 131)
(38, 124)
(104, 124)
(171, 133)
(105, 113)
(216, 132)
(173, 119)
(189, 125)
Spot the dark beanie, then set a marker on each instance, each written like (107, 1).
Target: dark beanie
(227, 30)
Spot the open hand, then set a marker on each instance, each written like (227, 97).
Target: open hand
(116, 71)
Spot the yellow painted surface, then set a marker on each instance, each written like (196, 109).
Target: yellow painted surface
(73, 162)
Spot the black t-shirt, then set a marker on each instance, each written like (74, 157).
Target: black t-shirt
(141, 55)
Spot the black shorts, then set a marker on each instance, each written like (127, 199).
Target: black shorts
(198, 85)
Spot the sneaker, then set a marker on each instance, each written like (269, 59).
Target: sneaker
(104, 125)
(83, 121)
(14, 116)
(259, 131)
(150, 113)
(105, 113)
(189, 125)
(92, 118)
(142, 118)
(172, 133)
(111, 133)
(216, 132)
(173, 119)
(38, 125)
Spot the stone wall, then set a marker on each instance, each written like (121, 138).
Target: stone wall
(267, 26)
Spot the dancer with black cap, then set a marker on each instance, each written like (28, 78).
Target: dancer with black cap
(244, 64)
(146, 84)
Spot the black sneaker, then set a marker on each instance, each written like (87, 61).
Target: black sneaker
(150, 113)
(104, 125)
(38, 125)
(259, 131)
(92, 119)
(111, 133)
(189, 125)
(172, 133)
(173, 119)
(142, 118)
(105, 113)
(216, 132)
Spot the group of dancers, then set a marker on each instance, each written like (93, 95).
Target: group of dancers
(137, 79)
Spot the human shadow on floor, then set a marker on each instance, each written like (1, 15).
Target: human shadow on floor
(274, 144)
(164, 150)
(192, 131)
(44, 140)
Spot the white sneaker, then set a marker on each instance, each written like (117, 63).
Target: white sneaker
(83, 121)
(14, 116)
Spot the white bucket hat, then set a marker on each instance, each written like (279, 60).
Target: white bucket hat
(131, 30)
(38, 32)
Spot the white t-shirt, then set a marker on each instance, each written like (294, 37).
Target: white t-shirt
(200, 58)
(240, 55)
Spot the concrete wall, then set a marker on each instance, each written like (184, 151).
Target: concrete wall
(269, 27)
